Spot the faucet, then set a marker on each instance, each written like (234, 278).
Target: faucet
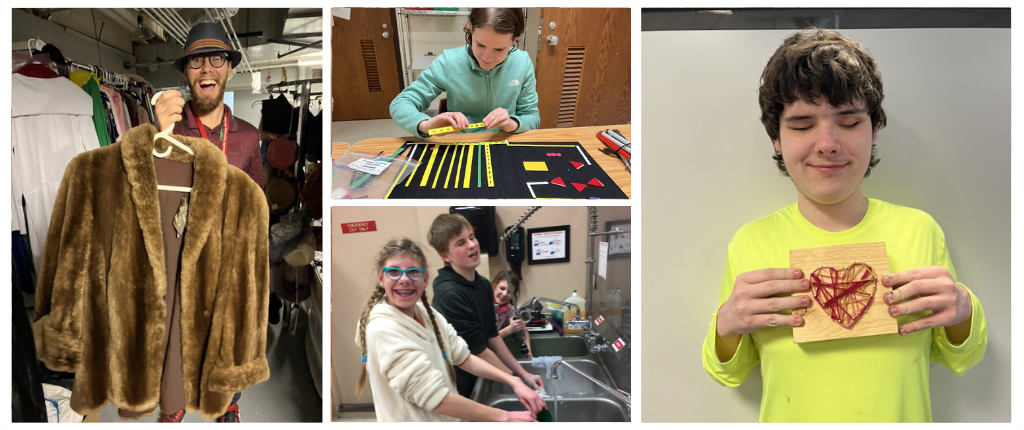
(621, 395)
(578, 321)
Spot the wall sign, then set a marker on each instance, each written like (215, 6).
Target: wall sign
(548, 244)
(358, 227)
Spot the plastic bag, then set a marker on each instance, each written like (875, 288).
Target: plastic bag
(358, 175)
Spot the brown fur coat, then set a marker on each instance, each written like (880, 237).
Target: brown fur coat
(100, 308)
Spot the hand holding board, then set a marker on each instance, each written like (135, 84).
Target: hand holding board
(875, 319)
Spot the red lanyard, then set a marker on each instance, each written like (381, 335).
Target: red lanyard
(223, 131)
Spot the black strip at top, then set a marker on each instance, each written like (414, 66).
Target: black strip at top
(831, 18)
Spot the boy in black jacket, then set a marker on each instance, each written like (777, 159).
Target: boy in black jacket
(466, 300)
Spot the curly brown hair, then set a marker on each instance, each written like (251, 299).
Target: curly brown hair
(815, 64)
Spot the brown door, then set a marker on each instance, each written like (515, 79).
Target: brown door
(583, 79)
(364, 65)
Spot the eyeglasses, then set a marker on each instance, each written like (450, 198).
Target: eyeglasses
(216, 60)
(394, 273)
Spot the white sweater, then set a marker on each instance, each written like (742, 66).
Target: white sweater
(407, 372)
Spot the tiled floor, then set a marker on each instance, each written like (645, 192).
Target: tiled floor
(288, 396)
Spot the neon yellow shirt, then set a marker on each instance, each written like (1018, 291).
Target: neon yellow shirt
(868, 379)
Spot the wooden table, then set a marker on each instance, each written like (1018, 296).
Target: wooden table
(586, 136)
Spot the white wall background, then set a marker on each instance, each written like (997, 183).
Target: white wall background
(946, 151)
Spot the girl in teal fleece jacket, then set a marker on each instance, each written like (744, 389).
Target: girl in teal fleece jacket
(487, 80)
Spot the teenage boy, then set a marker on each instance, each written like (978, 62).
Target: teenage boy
(821, 104)
(466, 300)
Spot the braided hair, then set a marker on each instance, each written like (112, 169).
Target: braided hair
(440, 339)
(395, 247)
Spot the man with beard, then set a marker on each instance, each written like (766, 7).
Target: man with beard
(205, 67)
(206, 70)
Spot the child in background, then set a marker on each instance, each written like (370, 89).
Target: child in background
(504, 311)
(409, 349)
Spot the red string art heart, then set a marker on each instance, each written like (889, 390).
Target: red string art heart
(844, 294)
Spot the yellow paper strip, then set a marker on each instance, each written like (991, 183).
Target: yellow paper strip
(448, 129)
(439, 167)
(469, 164)
(451, 165)
(430, 165)
(490, 174)
(439, 130)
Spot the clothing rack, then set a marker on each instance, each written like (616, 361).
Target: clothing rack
(303, 91)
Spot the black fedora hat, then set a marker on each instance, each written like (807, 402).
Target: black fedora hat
(206, 37)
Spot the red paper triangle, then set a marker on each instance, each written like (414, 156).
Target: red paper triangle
(576, 164)
(579, 187)
(558, 181)
(596, 183)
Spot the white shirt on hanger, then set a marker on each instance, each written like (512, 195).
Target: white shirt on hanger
(51, 123)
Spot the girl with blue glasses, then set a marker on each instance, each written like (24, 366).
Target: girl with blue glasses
(408, 350)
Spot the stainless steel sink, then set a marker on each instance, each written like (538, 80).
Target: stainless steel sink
(590, 409)
(571, 383)
(546, 345)
(579, 399)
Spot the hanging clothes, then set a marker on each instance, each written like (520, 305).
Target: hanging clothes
(125, 116)
(130, 110)
(279, 116)
(91, 86)
(312, 136)
(22, 262)
(26, 388)
(56, 56)
(110, 327)
(51, 123)
(116, 111)
(145, 91)
(108, 110)
(36, 70)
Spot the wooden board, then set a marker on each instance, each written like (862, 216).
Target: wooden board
(817, 325)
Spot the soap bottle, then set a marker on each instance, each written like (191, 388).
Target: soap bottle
(571, 313)
(557, 313)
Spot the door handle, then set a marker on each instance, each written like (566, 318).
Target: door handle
(552, 40)
(386, 35)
